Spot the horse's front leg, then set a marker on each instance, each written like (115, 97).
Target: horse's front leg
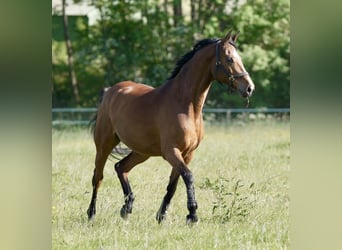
(175, 158)
(171, 189)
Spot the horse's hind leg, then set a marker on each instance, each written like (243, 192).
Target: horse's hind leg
(122, 168)
(104, 145)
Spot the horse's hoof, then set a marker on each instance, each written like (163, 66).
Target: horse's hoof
(124, 213)
(160, 217)
(91, 213)
(191, 219)
(91, 219)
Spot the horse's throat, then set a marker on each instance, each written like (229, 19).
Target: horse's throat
(199, 97)
(193, 97)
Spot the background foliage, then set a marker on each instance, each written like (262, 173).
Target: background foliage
(142, 40)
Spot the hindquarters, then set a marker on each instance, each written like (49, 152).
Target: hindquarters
(105, 140)
(125, 113)
(92, 122)
(101, 128)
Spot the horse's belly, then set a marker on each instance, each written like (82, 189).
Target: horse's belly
(132, 114)
(139, 136)
(141, 143)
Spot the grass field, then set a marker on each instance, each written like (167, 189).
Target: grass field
(241, 182)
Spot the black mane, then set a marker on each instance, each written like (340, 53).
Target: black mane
(185, 58)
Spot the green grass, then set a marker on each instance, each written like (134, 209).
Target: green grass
(242, 171)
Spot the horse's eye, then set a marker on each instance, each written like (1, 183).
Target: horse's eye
(230, 60)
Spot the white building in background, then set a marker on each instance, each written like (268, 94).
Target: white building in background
(83, 8)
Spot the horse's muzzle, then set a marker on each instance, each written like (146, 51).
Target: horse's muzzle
(248, 91)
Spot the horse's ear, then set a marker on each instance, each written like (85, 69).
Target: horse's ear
(235, 37)
(228, 36)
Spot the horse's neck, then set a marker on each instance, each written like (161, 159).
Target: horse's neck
(193, 81)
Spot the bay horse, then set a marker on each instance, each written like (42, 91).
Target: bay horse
(165, 121)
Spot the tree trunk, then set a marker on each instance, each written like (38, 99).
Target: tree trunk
(199, 21)
(166, 14)
(108, 64)
(70, 55)
(177, 11)
(193, 11)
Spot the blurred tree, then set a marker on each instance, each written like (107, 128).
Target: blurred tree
(266, 24)
(70, 55)
(177, 12)
(265, 49)
(142, 40)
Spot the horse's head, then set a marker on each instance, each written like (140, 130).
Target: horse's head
(229, 68)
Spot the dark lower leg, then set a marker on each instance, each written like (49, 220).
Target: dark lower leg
(171, 189)
(191, 202)
(122, 168)
(128, 206)
(178, 161)
(92, 207)
(96, 184)
(127, 191)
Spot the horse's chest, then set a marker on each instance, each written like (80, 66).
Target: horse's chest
(187, 134)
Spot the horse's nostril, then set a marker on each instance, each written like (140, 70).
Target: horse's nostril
(249, 90)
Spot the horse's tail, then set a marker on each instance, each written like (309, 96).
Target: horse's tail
(92, 122)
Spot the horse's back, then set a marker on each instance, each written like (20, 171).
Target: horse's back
(130, 88)
(129, 96)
